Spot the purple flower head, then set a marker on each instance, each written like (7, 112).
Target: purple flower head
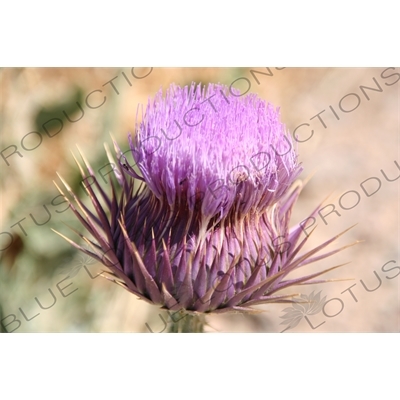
(207, 228)
(214, 148)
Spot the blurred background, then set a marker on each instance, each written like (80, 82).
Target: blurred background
(347, 121)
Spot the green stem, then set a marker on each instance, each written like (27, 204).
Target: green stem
(183, 322)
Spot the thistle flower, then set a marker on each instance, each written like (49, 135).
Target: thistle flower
(200, 222)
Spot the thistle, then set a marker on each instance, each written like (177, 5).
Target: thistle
(199, 223)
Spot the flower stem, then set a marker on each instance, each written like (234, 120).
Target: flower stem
(183, 322)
